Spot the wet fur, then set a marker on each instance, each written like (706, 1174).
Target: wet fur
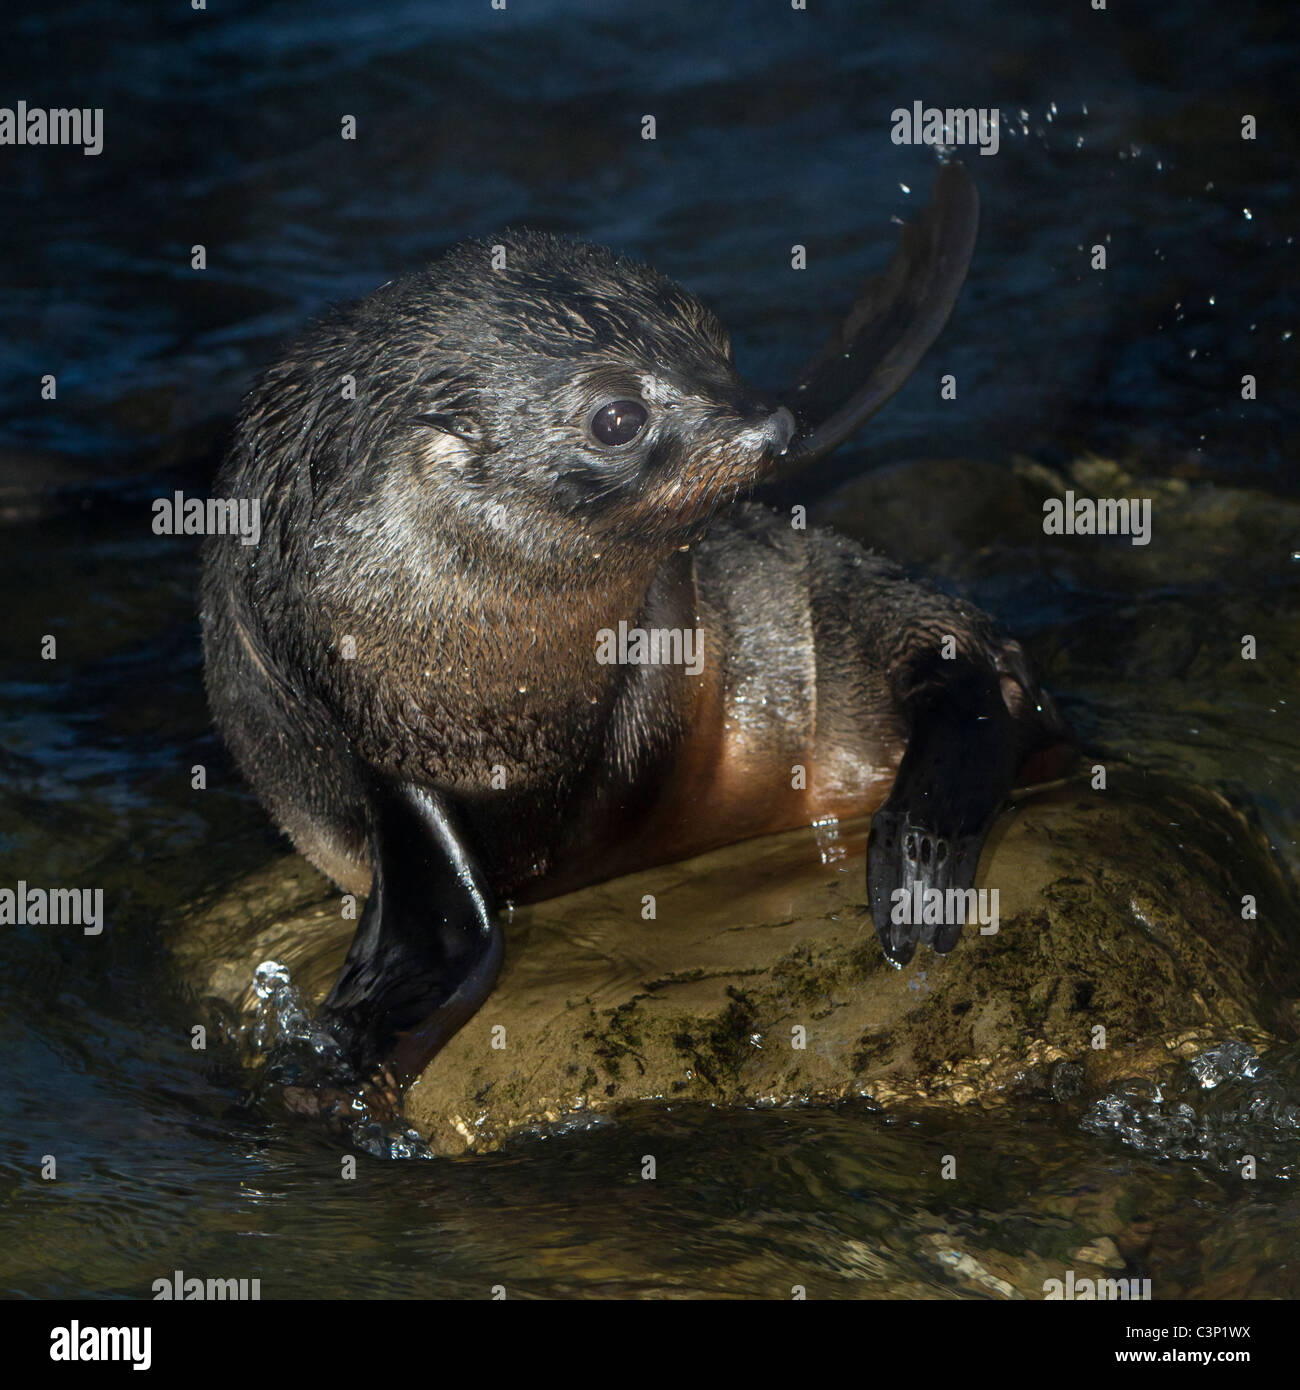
(456, 522)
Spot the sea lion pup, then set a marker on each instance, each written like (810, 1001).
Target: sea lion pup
(469, 481)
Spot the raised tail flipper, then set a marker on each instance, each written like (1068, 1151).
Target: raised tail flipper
(895, 318)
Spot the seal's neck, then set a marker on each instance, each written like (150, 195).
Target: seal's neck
(555, 636)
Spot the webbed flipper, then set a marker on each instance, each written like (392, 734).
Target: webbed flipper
(895, 318)
(428, 946)
(964, 753)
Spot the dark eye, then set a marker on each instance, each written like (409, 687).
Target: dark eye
(619, 422)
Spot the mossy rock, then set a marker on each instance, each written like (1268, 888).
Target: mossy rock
(760, 982)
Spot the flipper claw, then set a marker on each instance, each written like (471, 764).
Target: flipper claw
(959, 766)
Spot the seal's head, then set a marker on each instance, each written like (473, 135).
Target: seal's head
(555, 392)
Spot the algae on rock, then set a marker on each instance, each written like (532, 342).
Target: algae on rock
(1121, 945)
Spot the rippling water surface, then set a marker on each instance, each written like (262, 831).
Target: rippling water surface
(221, 128)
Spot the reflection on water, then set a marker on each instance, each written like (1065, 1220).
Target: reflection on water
(222, 130)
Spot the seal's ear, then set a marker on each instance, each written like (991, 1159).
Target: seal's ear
(458, 424)
(895, 318)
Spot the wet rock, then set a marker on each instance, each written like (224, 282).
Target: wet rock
(1121, 947)
(966, 519)
(1141, 644)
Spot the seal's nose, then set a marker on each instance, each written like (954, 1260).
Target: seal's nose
(766, 430)
(780, 429)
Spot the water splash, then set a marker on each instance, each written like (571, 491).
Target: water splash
(1224, 1106)
(826, 833)
(295, 1049)
(283, 1016)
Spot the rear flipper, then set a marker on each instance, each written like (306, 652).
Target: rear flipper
(962, 757)
(428, 946)
(895, 318)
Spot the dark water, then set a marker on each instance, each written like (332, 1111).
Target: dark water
(221, 128)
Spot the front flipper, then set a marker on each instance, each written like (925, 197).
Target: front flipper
(428, 946)
(894, 320)
(961, 760)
